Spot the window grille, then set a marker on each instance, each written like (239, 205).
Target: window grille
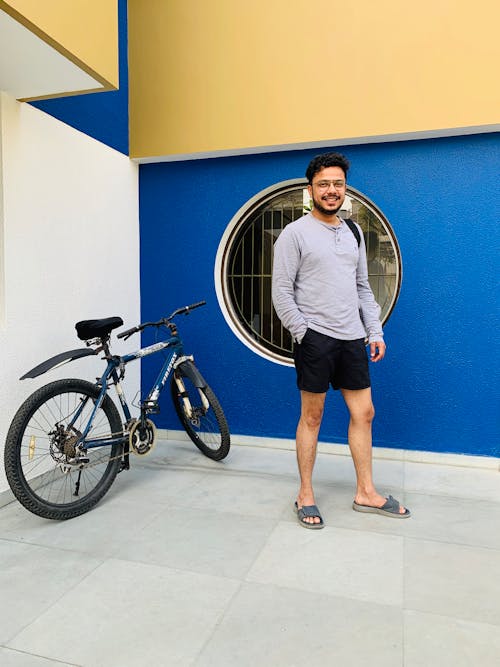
(247, 262)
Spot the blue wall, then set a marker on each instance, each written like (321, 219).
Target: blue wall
(437, 387)
(103, 116)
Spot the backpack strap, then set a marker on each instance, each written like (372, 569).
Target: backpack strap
(353, 229)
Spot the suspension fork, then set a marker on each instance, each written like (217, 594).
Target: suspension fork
(188, 408)
(185, 367)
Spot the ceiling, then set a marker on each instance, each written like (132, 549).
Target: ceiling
(31, 68)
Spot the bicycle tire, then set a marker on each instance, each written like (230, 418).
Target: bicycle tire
(36, 467)
(208, 429)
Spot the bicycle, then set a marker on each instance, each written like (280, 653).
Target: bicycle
(67, 442)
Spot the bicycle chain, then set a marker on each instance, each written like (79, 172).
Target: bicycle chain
(111, 458)
(119, 456)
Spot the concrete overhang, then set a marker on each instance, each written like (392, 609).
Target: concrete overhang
(33, 65)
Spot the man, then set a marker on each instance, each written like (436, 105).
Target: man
(322, 296)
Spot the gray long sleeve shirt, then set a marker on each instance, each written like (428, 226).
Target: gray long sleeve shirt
(320, 281)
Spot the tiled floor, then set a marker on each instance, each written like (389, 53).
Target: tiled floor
(193, 563)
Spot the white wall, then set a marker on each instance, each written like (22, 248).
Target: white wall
(70, 249)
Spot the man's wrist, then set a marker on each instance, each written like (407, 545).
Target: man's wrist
(299, 337)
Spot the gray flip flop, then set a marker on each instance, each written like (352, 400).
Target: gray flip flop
(389, 508)
(309, 511)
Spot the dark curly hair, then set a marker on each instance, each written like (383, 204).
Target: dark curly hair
(326, 160)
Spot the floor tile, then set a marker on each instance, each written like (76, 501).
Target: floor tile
(333, 469)
(455, 520)
(259, 459)
(153, 483)
(388, 476)
(453, 580)
(449, 642)
(455, 481)
(441, 518)
(252, 494)
(200, 541)
(171, 453)
(335, 561)
(203, 563)
(32, 578)
(99, 532)
(131, 614)
(10, 658)
(277, 627)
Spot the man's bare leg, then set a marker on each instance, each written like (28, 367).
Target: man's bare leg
(362, 412)
(312, 406)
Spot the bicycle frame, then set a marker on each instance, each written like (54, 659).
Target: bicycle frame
(69, 440)
(110, 376)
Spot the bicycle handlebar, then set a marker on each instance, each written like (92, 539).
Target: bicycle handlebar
(185, 310)
(165, 320)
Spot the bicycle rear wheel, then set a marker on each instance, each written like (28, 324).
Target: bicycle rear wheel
(45, 472)
(206, 425)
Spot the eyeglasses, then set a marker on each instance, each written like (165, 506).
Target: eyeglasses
(324, 185)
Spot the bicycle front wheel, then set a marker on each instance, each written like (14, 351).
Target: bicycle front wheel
(202, 417)
(46, 472)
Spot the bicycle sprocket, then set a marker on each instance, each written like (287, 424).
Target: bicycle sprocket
(142, 437)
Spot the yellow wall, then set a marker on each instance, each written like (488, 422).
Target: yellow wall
(229, 74)
(85, 31)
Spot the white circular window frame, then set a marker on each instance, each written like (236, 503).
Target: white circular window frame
(223, 252)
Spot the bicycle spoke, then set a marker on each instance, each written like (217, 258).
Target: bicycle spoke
(45, 463)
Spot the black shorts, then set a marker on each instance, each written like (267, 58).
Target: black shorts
(321, 360)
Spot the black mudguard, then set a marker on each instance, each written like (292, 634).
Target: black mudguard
(58, 360)
(189, 370)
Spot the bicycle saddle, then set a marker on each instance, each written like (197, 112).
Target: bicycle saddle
(87, 329)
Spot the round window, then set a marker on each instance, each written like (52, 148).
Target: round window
(244, 262)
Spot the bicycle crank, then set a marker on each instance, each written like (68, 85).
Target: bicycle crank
(142, 437)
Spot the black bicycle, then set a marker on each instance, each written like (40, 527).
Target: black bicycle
(67, 442)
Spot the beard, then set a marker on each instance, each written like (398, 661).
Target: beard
(327, 211)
